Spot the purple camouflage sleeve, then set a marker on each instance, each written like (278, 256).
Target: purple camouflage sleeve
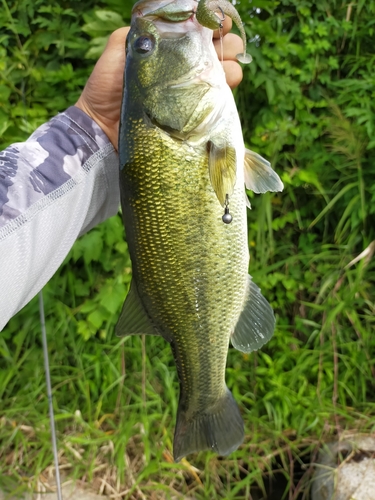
(55, 186)
(48, 161)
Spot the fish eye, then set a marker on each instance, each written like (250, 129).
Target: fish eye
(144, 44)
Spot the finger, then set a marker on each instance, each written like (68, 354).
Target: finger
(116, 42)
(110, 67)
(227, 26)
(232, 45)
(101, 97)
(233, 73)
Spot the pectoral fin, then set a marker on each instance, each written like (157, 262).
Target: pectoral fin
(256, 323)
(259, 175)
(133, 318)
(222, 166)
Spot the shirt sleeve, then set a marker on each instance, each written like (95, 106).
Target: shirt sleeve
(54, 187)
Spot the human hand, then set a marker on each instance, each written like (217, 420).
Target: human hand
(101, 97)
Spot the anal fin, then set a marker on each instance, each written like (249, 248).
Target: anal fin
(256, 323)
(134, 319)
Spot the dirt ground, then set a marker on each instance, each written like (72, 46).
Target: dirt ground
(69, 492)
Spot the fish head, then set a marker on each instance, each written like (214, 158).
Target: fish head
(172, 71)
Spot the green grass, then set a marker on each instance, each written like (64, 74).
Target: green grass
(116, 404)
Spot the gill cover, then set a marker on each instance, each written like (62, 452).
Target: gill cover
(163, 66)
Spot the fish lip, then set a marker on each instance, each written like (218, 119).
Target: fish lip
(168, 28)
(143, 7)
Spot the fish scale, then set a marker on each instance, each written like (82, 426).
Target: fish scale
(174, 215)
(172, 224)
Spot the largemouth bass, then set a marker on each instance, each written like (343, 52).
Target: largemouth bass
(183, 167)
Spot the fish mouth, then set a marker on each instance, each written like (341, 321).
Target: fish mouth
(173, 19)
(196, 71)
(164, 8)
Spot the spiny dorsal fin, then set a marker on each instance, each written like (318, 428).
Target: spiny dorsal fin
(256, 323)
(259, 175)
(222, 166)
(133, 319)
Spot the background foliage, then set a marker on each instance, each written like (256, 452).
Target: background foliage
(307, 104)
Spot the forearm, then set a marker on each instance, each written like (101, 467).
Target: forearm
(55, 186)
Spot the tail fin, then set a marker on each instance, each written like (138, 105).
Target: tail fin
(219, 428)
